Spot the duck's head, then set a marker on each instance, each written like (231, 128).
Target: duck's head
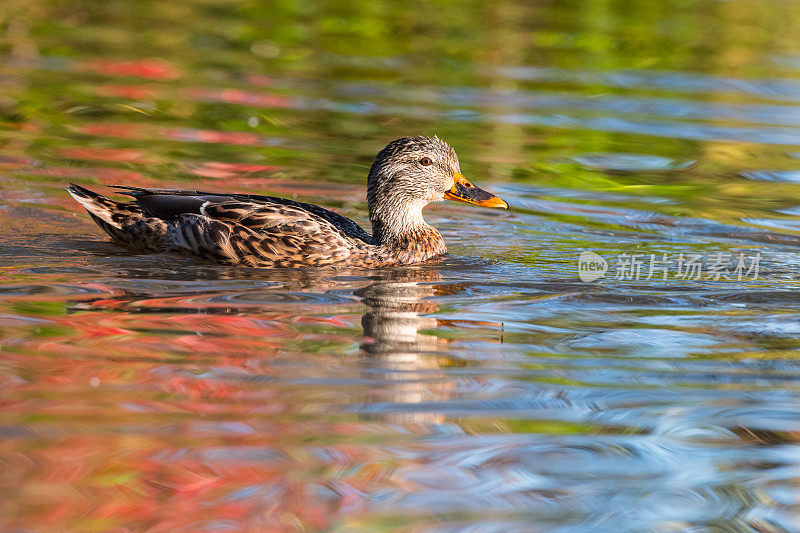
(410, 173)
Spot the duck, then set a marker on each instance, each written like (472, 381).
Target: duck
(271, 232)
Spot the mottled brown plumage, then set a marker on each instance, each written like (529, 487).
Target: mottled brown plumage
(266, 231)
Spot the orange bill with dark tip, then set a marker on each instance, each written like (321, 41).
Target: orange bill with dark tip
(464, 191)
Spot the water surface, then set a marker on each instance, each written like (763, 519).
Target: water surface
(490, 390)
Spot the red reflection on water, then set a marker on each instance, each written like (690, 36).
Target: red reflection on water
(116, 175)
(119, 130)
(12, 163)
(152, 69)
(183, 411)
(104, 154)
(230, 96)
(209, 136)
(134, 92)
(140, 131)
(208, 334)
(237, 96)
(216, 169)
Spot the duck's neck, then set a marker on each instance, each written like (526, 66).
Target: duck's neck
(401, 229)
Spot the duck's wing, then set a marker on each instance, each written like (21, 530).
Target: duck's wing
(169, 203)
(262, 234)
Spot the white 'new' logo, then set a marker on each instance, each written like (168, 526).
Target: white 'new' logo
(591, 266)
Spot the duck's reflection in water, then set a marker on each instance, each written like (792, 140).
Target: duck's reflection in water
(400, 350)
(404, 347)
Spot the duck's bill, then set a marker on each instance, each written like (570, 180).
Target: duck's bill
(464, 191)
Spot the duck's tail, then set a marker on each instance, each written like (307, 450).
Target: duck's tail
(123, 221)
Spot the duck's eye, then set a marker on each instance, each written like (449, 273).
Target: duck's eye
(425, 162)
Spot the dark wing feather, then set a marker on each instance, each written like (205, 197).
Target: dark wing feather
(262, 235)
(169, 203)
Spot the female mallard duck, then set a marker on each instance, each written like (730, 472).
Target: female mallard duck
(264, 231)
